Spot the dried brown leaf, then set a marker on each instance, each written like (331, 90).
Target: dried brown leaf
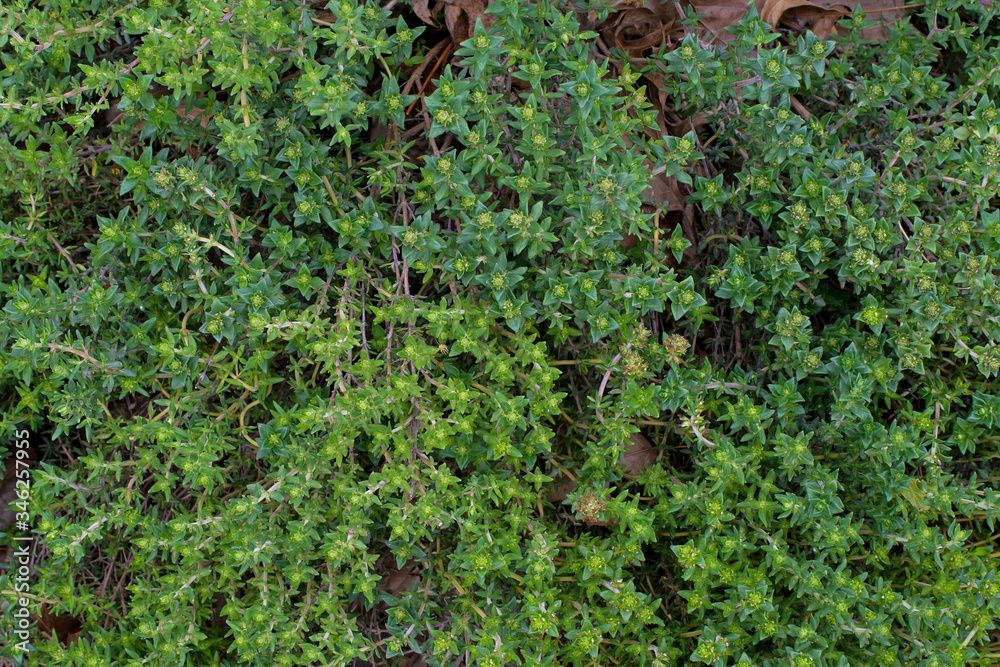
(422, 9)
(460, 17)
(717, 17)
(666, 11)
(587, 20)
(678, 125)
(633, 30)
(561, 489)
(662, 190)
(772, 10)
(598, 522)
(196, 115)
(802, 14)
(639, 455)
(664, 194)
(718, 14)
(67, 629)
(398, 579)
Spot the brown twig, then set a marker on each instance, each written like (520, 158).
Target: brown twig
(420, 93)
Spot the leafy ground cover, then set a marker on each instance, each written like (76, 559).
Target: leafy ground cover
(469, 333)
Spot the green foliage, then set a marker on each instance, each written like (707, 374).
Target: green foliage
(281, 339)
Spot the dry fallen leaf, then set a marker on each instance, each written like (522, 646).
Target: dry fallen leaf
(669, 121)
(634, 30)
(195, 115)
(800, 14)
(398, 579)
(772, 10)
(422, 9)
(662, 190)
(561, 489)
(598, 522)
(461, 15)
(639, 455)
(717, 17)
(664, 194)
(67, 629)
